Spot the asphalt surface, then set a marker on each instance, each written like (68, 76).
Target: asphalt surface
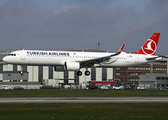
(85, 100)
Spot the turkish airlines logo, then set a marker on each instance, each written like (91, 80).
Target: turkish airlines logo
(149, 47)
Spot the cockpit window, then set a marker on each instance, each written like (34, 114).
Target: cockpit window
(11, 54)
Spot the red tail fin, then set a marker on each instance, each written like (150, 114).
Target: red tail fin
(150, 46)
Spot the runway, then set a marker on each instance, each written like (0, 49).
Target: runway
(85, 100)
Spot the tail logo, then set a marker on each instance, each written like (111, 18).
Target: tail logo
(149, 47)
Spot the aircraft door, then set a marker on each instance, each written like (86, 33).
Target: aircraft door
(23, 55)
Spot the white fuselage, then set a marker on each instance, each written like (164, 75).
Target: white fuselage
(57, 58)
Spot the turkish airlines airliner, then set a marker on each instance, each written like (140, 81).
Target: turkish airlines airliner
(74, 61)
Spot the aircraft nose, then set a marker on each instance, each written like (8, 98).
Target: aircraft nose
(5, 59)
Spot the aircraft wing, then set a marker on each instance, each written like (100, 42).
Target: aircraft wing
(91, 62)
(154, 58)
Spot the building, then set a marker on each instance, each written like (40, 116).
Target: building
(131, 75)
(154, 80)
(11, 76)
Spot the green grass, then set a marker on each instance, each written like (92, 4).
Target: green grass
(83, 93)
(84, 111)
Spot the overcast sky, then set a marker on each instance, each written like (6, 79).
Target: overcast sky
(80, 24)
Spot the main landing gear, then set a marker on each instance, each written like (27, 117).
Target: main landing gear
(87, 73)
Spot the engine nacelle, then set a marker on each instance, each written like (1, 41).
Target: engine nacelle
(72, 66)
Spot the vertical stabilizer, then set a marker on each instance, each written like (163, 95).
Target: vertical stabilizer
(150, 46)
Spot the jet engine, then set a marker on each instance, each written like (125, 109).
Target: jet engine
(71, 66)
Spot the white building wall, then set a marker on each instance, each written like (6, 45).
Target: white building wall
(109, 73)
(98, 74)
(58, 75)
(8, 67)
(19, 68)
(82, 78)
(33, 73)
(1, 78)
(45, 72)
(71, 76)
(5, 67)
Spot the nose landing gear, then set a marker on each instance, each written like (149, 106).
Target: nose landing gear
(21, 72)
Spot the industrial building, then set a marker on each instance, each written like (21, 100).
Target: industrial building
(154, 80)
(144, 74)
(13, 76)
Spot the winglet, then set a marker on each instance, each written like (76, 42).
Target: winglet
(120, 50)
(84, 50)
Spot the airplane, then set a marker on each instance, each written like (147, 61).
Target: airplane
(74, 61)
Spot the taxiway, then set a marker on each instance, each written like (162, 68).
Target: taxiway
(84, 100)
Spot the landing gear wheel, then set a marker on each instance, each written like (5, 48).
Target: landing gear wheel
(79, 73)
(87, 73)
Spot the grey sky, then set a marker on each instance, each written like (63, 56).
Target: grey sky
(79, 24)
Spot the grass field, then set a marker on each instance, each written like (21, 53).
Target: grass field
(83, 111)
(83, 93)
